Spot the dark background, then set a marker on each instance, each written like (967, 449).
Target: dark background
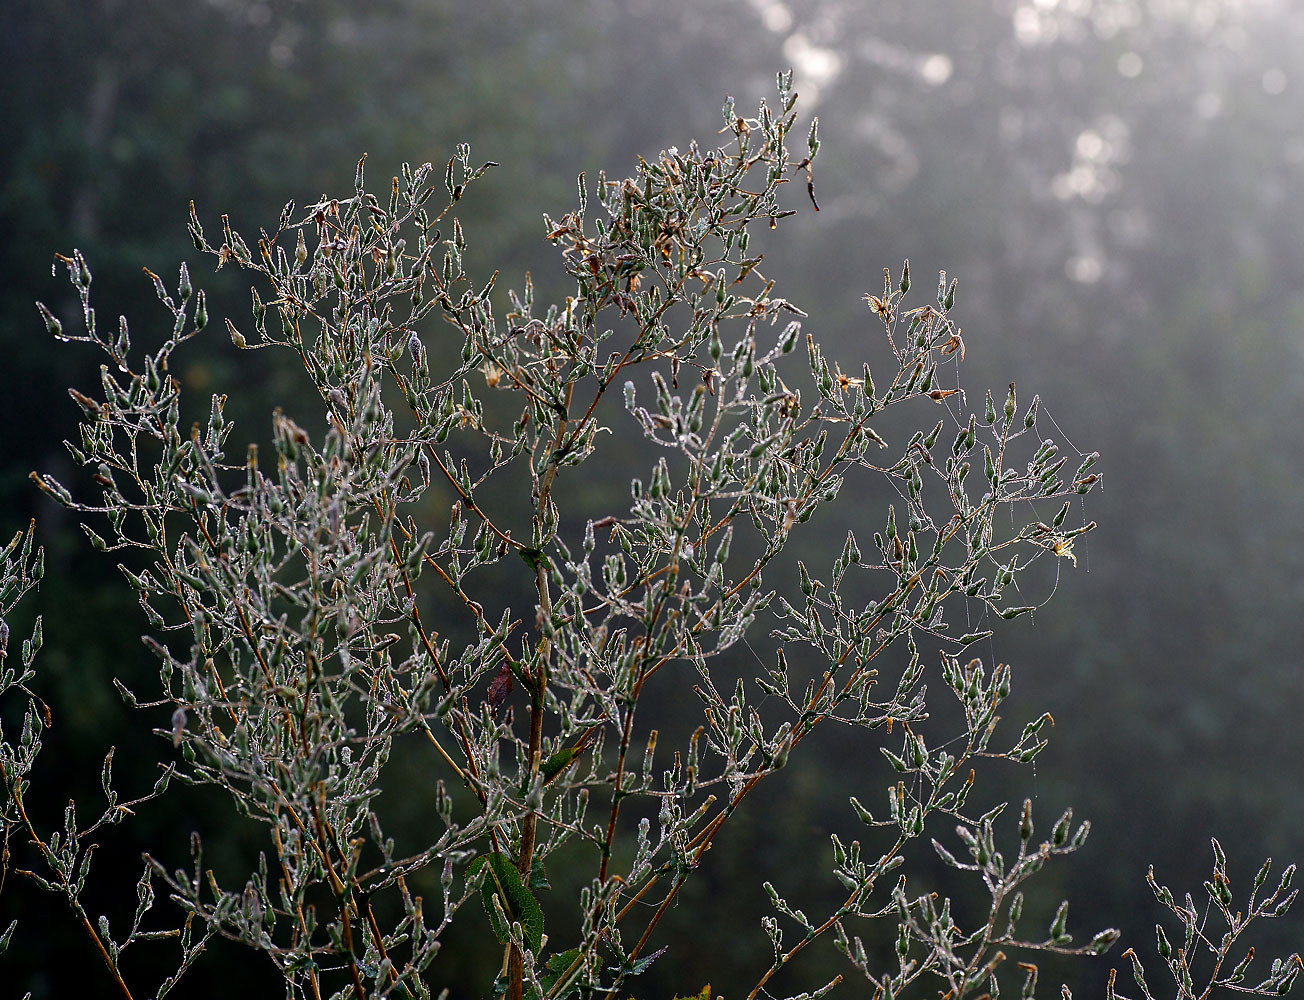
(1115, 183)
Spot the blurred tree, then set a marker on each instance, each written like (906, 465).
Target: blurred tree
(1110, 181)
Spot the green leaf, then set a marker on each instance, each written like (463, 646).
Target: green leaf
(504, 881)
(534, 558)
(538, 875)
(558, 964)
(640, 965)
(559, 761)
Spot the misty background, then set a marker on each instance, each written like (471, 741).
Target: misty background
(1116, 184)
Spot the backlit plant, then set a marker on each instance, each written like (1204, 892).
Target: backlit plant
(311, 603)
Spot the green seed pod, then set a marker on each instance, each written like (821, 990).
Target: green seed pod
(1060, 835)
(52, 324)
(932, 436)
(1063, 513)
(236, 337)
(1030, 417)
